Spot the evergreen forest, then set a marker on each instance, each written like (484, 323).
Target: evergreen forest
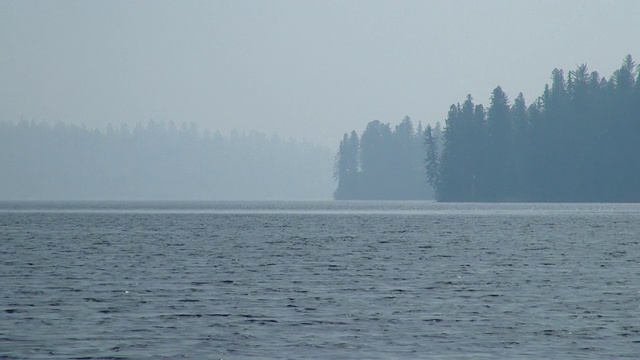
(577, 142)
(383, 163)
(156, 161)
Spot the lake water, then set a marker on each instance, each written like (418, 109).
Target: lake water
(319, 280)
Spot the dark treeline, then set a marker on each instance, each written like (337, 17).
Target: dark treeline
(382, 163)
(577, 142)
(39, 161)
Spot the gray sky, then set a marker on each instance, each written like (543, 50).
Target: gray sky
(305, 69)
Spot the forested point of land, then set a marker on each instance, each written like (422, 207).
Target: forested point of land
(382, 164)
(156, 161)
(577, 142)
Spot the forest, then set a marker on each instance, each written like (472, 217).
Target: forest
(156, 161)
(382, 164)
(577, 142)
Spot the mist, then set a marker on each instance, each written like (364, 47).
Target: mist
(157, 161)
(309, 70)
(271, 70)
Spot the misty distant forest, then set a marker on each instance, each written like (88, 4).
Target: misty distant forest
(156, 161)
(577, 142)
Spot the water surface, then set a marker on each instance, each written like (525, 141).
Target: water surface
(319, 280)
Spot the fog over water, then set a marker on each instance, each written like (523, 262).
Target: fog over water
(301, 72)
(167, 170)
(308, 70)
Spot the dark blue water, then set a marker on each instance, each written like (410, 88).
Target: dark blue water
(319, 280)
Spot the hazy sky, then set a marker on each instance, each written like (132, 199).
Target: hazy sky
(306, 69)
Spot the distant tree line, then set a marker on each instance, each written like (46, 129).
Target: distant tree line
(40, 161)
(577, 142)
(382, 164)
